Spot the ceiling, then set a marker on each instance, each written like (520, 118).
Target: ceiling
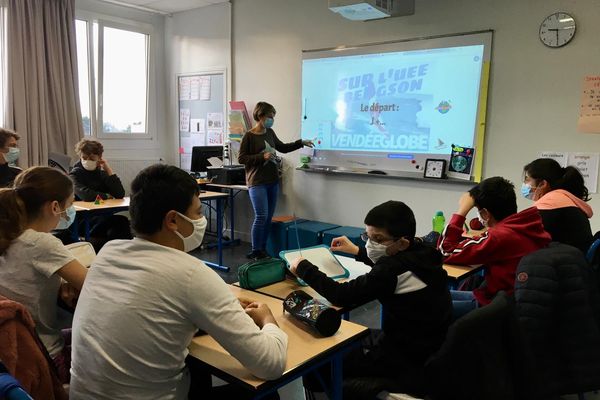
(169, 6)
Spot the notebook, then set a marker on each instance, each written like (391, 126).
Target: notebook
(319, 256)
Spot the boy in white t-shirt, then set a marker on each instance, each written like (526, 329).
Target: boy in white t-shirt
(145, 298)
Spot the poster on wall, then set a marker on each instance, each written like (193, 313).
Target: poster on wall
(184, 120)
(197, 125)
(587, 164)
(184, 88)
(215, 120)
(589, 110)
(214, 137)
(559, 156)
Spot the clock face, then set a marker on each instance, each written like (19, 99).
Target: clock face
(435, 168)
(557, 29)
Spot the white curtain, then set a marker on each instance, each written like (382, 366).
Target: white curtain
(3, 77)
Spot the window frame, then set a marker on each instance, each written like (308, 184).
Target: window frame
(96, 77)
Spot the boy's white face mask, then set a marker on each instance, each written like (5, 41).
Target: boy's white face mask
(375, 250)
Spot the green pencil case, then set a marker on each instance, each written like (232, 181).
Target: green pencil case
(259, 273)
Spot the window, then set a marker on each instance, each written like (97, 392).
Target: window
(113, 65)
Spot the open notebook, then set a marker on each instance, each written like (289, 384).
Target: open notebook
(320, 256)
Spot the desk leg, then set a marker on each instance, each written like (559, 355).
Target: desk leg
(86, 221)
(337, 376)
(219, 265)
(75, 230)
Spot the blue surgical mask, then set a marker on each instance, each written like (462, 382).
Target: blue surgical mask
(66, 221)
(13, 155)
(527, 191)
(268, 123)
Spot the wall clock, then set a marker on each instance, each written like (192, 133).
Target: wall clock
(557, 30)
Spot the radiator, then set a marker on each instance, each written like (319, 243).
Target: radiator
(128, 169)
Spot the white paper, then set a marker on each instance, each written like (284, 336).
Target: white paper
(184, 120)
(587, 164)
(215, 120)
(205, 88)
(195, 87)
(198, 125)
(186, 161)
(560, 156)
(214, 137)
(184, 88)
(215, 162)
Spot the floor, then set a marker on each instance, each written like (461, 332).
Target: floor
(367, 315)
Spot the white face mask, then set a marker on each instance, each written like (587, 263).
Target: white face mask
(481, 220)
(375, 250)
(196, 237)
(89, 165)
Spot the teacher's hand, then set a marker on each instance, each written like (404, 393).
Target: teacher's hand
(308, 143)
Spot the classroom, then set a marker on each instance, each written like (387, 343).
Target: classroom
(415, 172)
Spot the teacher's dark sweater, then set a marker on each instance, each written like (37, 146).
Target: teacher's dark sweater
(8, 175)
(258, 170)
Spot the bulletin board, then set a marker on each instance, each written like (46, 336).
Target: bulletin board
(201, 111)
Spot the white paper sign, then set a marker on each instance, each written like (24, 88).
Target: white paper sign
(185, 161)
(560, 156)
(214, 137)
(184, 120)
(587, 163)
(215, 120)
(184, 88)
(197, 125)
(205, 88)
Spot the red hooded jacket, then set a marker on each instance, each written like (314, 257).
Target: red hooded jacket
(499, 249)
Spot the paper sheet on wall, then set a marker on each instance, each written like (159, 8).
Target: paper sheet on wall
(205, 88)
(214, 137)
(195, 87)
(184, 120)
(215, 120)
(184, 88)
(560, 156)
(589, 111)
(185, 161)
(587, 163)
(197, 125)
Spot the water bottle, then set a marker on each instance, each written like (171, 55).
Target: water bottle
(438, 222)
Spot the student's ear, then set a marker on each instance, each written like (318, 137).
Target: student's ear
(170, 221)
(398, 246)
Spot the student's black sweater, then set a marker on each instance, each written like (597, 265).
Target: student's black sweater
(89, 184)
(8, 175)
(415, 316)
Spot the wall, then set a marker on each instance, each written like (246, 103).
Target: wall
(158, 146)
(533, 99)
(196, 40)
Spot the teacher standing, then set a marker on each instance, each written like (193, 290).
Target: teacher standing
(257, 153)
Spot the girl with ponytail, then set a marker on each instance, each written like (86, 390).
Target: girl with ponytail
(32, 261)
(560, 195)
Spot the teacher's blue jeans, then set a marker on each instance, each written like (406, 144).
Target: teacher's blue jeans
(264, 200)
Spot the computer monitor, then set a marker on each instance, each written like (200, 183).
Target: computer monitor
(201, 154)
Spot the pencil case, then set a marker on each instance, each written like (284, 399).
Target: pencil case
(320, 317)
(262, 272)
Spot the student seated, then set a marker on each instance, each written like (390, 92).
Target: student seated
(33, 261)
(560, 195)
(9, 153)
(93, 176)
(408, 280)
(144, 299)
(509, 237)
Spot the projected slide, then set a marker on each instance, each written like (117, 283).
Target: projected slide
(406, 102)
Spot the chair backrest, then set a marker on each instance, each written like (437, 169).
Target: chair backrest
(83, 251)
(557, 306)
(59, 161)
(482, 357)
(591, 254)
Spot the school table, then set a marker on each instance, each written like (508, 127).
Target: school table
(233, 191)
(306, 351)
(87, 209)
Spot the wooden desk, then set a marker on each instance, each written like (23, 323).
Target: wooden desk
(86, 209)
(305, 350)
(219, 198)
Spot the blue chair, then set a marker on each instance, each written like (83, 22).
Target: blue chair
(309, 233)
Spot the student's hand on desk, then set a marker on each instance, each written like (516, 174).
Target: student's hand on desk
(260, 313)
(344, 245)
(465, 204)
(294, 265)
(245, 302)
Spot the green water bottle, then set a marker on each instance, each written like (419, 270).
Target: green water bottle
(439, 221)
